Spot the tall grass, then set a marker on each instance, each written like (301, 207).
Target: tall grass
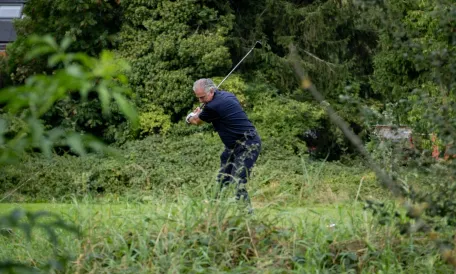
(186, 234)
(164, 218)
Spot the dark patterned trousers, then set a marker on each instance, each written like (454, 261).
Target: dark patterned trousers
(236, 164)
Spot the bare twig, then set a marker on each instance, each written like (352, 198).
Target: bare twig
(359, 189)
(319, 59)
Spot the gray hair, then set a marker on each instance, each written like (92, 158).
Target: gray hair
(206, 84)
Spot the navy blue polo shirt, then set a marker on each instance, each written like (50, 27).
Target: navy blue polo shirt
(228, 118)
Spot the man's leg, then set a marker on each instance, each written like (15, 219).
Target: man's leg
(245, 157)
(224, 177)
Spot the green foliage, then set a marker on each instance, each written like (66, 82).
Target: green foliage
(152, 164)
(335, 46)
(22, 130)
(89, 27)
(414, 71)
(3, 71)
(415, 68)
(171, 164)
(336, 42)
(84, 116)
(180, 234)
(17, 221)
(397, 58)
(284, 120)
(153, 120)
(234, 84)
(89, 24)
(80, 74)
(170, 44)
(415, 65)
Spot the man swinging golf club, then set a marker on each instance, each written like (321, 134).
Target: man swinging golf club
(241, 140)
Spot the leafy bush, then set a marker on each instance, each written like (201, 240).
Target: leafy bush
(284, 120)
(28, 103)
(170, 44)
(146, 166)
(89, 25)
(168, 164)
(415, 72)
(22, 130)
(3, 72)
(234, 84)
(153, 120)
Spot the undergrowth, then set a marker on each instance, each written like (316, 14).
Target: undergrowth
(186, 164)
(152, 211)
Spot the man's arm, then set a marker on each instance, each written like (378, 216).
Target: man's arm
(194, 117)
(195, 120)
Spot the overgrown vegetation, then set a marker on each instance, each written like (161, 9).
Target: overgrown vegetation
(178, 233)
(374, 62)
(162, 165)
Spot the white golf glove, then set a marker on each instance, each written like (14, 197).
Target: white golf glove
(189, 116)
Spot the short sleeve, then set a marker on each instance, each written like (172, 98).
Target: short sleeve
(209, 115)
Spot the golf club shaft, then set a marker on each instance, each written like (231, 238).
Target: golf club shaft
(238, 63)
(257, 42)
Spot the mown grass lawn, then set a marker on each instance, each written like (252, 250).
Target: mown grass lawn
(329, 215)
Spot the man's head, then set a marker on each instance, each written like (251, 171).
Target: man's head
(204, 89)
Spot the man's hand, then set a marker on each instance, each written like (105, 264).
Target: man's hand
(192, 118)
(197, 110)
(189, 116)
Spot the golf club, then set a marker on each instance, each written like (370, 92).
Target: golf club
(257, 45)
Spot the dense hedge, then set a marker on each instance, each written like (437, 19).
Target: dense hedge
(168, 165)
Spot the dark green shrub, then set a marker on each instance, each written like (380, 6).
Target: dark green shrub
(170, 44)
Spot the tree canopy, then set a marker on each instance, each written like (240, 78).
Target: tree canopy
(393, 58)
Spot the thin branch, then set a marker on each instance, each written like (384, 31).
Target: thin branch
(385, 180)
(329, 64)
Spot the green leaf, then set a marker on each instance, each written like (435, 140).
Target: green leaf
(75, 71)
(123, 79)
(50, 41)
(37, 131)
(7, 94)
(105, 97)
(74, 140)
(85, 89)
(3, 125)
(85, 60)
(55, 59)
(66, 42)
(127, 109)
(38, 51)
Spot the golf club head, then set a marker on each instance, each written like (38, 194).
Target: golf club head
(258, 45)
